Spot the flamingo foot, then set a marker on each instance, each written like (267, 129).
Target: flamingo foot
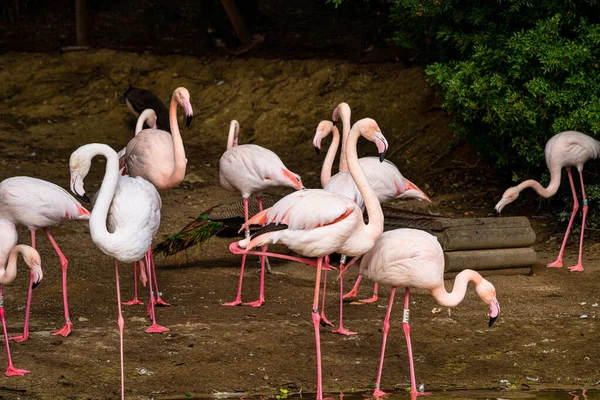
(155, 328)
(65, 331)
(12, 371)
(378, 393)
(324, 321)
(20, 338)
(161, 302)
(236, 302)
(256, 303)
(133, 302)
(343, 331)
(351, 294)
(556, 264)
(576, 268)
(372, 299)
(416, 393)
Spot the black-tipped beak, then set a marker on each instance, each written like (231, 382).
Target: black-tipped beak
(35, 284)
(492, 320)
(188, 120)
(318, 150)
(84, 198)
(496, 213)
(382, 155)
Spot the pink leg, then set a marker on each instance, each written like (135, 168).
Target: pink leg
(261, 296)
(25, 335)
(121, 324)
(11, 370)
(386, 327)
(135, 300)
(159, 301)
(341, 330)
(406, 326)
(238, 298)
(154, 328)
(324, 320)
(316, 322)
(559, 263)
(354, 291)
(374, 298)
(235, 249)
(66, 330)
(579, 266)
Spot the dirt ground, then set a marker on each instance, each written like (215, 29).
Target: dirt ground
(546, 336)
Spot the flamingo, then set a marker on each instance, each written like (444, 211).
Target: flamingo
(159, 157)
(38, 204)
(250, 169)
(414, 258)
(148, 116)
(124, 220)
(8, 273)
(566, 149)
(316, 223)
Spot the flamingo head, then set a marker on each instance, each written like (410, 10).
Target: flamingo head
(370, 130)
(34, 262)
(411, 191)
(150, 118)
(508, 197)
(323, 129)
(487, 293)
(182, 96)
(79, 167)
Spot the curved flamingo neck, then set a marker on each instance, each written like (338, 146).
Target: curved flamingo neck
(8, 274)
(458, 290)
(234, 132)
(179, 151)
(328, 162)
(106, 193)
(543, 191)
(147, 113)
(375, 226)
(344, 113)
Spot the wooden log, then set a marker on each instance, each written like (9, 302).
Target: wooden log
(479, 260)
(490, 238)
(494, 272)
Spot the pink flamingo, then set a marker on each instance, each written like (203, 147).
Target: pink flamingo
(414, 258)
(250, 169)
(148, 116)
(124, 220)
(39, 204)
(315, 223)
(566, 149)
(8, 273)
(159, 157)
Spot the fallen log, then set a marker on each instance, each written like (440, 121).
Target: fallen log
(479, 260)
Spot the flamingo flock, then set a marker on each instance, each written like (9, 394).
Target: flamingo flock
(314, 223)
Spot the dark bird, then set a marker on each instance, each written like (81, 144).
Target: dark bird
(138, 100)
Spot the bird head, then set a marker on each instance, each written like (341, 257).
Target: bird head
(34, 262)
(79, 165)
(487, 293)
(182, 96)
(508, 197)
(323, 129)
(369, 129)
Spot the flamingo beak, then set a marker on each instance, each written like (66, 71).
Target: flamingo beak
(189, 113)
(77, 187)
(494, 311)
(317, 141)
(382, 145)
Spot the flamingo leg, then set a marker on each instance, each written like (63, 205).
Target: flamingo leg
(375, 296)
(25, 335)
(261, 297)
(324, 320)
(154, 328)
(406, 326)
(66, 330)
(159, 301)
(341, 330)
(135, 300)
(354, 291)
(238, 298)
(11, 370)
(121, 324)
(579, 266)
(386, 327)
(316, 323)
(559, 261)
